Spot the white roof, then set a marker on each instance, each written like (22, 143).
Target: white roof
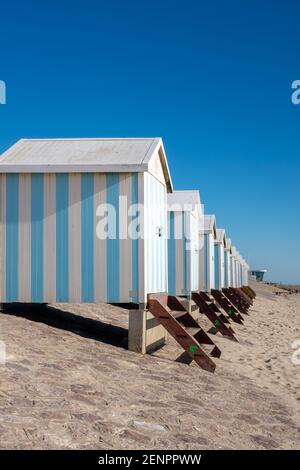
(220, 235)
(209, 223)
(84, 155)
(228, 243)
(185, 201)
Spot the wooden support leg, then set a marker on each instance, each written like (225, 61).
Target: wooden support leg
(137, 331)
(145, 333)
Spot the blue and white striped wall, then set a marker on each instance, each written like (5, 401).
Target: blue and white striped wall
(49, 248)
(237, 273)
(219, 265)
(232, 272)
(155, 240)
(183, 253)
(206, 265)
(227, 268)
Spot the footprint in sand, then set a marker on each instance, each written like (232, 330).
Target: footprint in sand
(265, 442)
(248, 419)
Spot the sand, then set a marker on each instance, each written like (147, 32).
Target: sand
(70, 383)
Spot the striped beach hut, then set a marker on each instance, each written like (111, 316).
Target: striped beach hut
(239, 269)
(246, 274)
(83, 220)
(206, 266)
(227, 264)
(219, 263)
(184, 219)
(233, 266)
(242, 261)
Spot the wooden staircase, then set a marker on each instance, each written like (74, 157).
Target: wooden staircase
(185, 330)
(246, 298)
(212, 312)
(249, 291)
(227, 306)
(235, 299)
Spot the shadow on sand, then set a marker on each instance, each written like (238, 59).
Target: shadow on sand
(63, 320)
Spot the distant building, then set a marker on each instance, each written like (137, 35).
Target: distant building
(258, 274)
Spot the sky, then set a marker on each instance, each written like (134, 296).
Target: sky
(213, 79)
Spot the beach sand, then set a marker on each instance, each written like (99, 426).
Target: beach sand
(70, 383)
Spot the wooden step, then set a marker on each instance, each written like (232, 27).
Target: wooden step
(224, 303)
(212, 312)
(178, 314)
(185, 330)
(236, 301)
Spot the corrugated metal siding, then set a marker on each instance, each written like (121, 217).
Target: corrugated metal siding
(49, 248)
(155, 212)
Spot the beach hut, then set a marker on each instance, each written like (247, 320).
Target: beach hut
(227, 263)
(245, 273)
(233, 266)
(207, 236)
(83, 220)
(184, 219)
(242, 270)
(219, 263)
(238, 270)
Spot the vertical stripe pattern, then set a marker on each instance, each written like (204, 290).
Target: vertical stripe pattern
(99, 241)
(183, 252)
(75, 228)
(87, 237)
(217, 270)
(62, 239)
(113, 247)
(3, 236)
(135, 243)
(50, 237)
(206, 262)
(226, 268)
(12, 237)
(50, 250)
(155, 237)
(171, 254)
(25, 240)
(37, 237)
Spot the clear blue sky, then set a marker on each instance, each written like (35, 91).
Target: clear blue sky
(212, 78)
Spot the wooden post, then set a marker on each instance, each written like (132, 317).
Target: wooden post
(144, 332)
(137, 331)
